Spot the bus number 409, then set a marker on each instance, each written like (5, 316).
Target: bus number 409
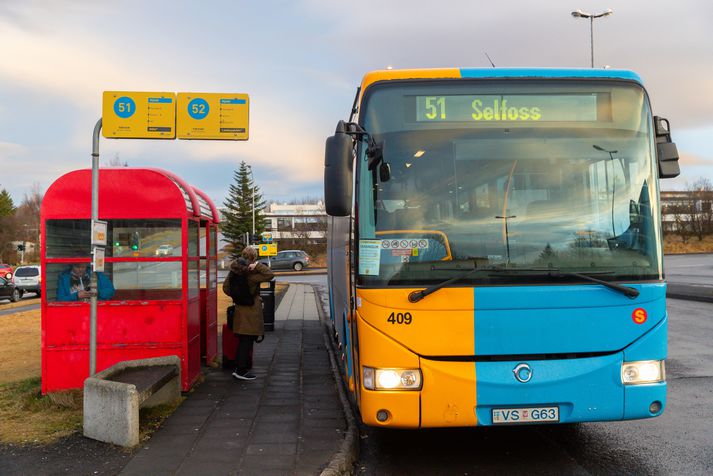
(400, 318)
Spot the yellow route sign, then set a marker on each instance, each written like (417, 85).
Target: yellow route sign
(212, 116)
(267, 249)
(138, 115)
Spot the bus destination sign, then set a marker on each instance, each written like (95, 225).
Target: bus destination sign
(508, 108)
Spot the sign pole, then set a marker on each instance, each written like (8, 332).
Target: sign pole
(93, 279)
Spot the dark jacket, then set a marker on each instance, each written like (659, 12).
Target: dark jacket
(248, 319)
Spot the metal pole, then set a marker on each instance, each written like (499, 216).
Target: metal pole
(507, 234)
(93, 279)
(591, 37)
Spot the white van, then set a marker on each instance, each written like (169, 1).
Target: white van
(28, 279)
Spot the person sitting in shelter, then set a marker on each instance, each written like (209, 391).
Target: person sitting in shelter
(243, 286)
(74, 284)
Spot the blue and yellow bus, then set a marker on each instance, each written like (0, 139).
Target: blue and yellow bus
(495, 248)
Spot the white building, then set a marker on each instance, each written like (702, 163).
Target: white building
(296, 221)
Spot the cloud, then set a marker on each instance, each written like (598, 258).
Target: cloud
(692, 160)
(9, 150)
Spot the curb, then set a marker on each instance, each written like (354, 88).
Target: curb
(690, 293)
(344, 460)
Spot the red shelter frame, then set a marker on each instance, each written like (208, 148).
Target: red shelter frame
(161, 258)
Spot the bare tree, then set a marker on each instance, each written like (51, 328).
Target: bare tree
(700, 207)
(28, 222)
(116, 162)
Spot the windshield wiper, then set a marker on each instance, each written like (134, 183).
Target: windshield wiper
(556, 273)
(416, 296)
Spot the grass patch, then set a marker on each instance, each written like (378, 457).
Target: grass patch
(28, 417)
(673, 244)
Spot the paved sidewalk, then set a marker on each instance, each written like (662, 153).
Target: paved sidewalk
(287, 421)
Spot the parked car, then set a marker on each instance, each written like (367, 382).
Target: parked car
(5, 271)
(28, 279)
(164, 250)
(288, 259)
(8, 290)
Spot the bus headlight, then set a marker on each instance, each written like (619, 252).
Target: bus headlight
(644, 371)
(391, 379)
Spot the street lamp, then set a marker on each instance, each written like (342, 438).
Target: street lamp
(591, 16)
(507, 235)
(613, 179)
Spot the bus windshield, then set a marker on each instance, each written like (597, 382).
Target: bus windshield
(491, 174)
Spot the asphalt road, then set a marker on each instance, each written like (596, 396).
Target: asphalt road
(689, 269)
(679, 442)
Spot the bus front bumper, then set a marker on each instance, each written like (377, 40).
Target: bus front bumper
(460, 394)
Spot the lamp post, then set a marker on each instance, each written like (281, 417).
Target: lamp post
(507, 234)
(613, 179)
(591, 16)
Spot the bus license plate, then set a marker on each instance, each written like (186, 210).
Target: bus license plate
(525, 415)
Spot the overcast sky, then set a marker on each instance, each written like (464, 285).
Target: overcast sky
(300, 62)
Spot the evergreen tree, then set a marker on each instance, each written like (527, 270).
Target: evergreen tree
(7, 226)
(7, 207)
(238, 214)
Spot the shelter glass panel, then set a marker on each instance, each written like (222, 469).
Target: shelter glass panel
(145, 238)
(193, 279)
(68, 238)
(193, 237)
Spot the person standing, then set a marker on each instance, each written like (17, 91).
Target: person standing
(243, 286)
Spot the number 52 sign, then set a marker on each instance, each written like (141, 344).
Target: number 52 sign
(212, 116)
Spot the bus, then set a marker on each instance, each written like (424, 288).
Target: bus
(495, 247)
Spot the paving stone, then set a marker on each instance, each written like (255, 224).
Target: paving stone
(195, 467)
(266, 463)
(270, 450)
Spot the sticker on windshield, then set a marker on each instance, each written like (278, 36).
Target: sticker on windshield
(369, 257)
(391, 244)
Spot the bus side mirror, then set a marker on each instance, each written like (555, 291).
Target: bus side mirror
(338, 173)
(666, 151)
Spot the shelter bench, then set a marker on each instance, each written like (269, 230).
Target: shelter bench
(113, 397)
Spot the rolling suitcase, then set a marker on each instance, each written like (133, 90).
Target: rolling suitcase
(230, 344)
(230, 348)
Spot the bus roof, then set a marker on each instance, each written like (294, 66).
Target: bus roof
(492, 73)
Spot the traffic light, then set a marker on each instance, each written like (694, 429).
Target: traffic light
(134, 241)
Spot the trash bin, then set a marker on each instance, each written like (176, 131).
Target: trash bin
(267, 294)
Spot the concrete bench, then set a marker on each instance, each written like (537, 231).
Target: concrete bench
(112, 397)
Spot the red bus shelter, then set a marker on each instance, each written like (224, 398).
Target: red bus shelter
(158, 293)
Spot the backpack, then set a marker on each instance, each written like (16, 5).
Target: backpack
(239, 290)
